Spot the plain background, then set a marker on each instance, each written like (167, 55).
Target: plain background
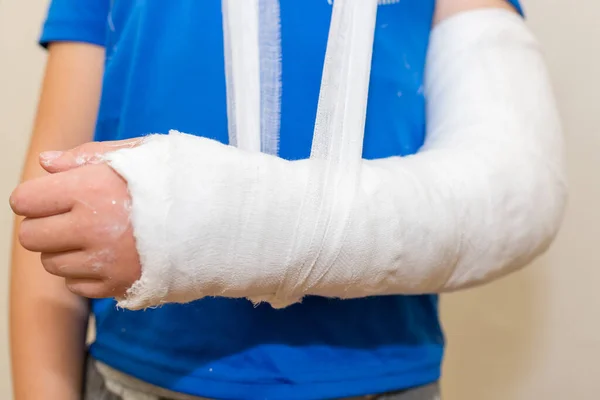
(534, 335)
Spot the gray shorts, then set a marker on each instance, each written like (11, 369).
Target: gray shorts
(104, 383)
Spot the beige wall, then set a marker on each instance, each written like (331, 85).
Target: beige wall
(21, 66)
(535, 335)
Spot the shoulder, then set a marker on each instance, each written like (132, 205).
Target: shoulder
(446, 8)
(82, 21)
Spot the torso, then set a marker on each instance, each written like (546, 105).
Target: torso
(164, 71)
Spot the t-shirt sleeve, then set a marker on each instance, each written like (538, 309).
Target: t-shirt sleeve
(517, 4)
(82, 21)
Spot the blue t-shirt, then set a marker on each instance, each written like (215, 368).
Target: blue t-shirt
(164, 70)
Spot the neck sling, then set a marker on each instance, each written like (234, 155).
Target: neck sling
(253, 66)
(483, 197)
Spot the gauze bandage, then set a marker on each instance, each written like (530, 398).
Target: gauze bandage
(482, 198)
(252, 49)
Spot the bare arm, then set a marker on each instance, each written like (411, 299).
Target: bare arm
(47, 322)
(447, 8)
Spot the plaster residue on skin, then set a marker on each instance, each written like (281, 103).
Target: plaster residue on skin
(116, 230)
(99, 259)
(127, 208)
(97, 266)
(83, 159)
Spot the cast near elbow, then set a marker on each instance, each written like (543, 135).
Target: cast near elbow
(527, 218)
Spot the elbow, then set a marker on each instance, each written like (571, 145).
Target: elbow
(550, 205)
(522, 216)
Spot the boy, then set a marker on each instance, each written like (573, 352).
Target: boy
(163, 69)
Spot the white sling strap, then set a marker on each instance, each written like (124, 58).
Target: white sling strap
(252, 47)
(485, 195)
(339, 128)
(337, 146)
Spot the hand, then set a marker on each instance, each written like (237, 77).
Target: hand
(78, 219)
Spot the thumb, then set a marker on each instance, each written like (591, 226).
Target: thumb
(88, 153)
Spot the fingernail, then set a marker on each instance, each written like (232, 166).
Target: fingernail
(49, 156)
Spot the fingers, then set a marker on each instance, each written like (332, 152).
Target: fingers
(51, 234)
(88, 273)
(89, 153)
(90, 288)
(70, 264)
(42, 197)
(54, 162)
